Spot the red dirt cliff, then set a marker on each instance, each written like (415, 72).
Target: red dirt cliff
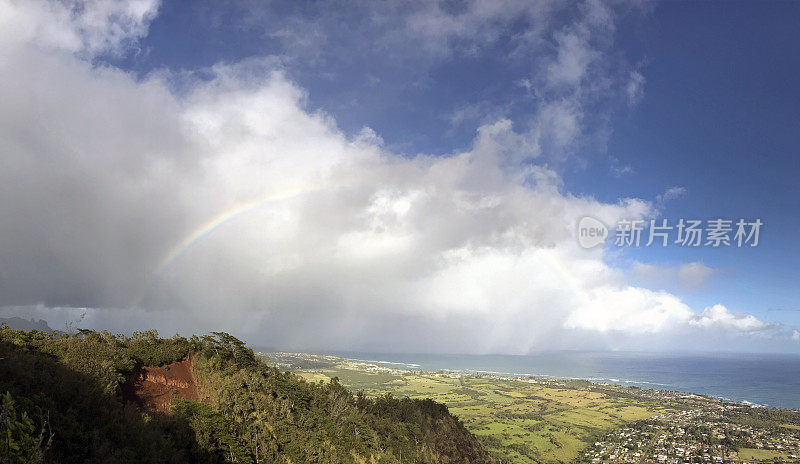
(155, 387)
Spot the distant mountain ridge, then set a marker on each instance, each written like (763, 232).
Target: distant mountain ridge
(18, 323)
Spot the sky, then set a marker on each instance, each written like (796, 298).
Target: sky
(401, 176)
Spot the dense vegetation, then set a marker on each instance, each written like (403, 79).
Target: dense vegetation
(62, 402)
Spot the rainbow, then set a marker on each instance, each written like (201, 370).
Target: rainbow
(209, 226)
(214, 223)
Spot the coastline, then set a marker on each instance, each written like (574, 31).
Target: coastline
(371, 365)
(767, 380)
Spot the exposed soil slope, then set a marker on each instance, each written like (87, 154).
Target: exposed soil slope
(155, 387)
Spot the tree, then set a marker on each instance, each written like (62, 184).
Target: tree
(19, 442)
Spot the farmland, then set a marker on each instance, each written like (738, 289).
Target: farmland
(524, 419)
(519, 420)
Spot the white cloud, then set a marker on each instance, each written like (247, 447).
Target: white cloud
(671, 194)
(719, 317)
(635, 88)
(619, 170)
(636, 310)
(115, 191)
(440, 31)
(89, 27)
(572, 78)
(572, 60)
(629, 309)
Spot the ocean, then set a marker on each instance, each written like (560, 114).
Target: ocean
(762, 379)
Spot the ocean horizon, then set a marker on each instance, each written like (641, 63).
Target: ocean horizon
(771, 380)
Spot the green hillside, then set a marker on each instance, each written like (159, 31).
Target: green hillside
(65, 402)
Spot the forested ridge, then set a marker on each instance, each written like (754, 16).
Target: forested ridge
(63, 402)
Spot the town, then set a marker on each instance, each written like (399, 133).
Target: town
(716, 433)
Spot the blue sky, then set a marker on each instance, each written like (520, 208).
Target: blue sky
(719, 116)
(469, 138)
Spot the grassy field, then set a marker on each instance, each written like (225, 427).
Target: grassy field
(762, 455)
(520, 422)
(314, 377)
